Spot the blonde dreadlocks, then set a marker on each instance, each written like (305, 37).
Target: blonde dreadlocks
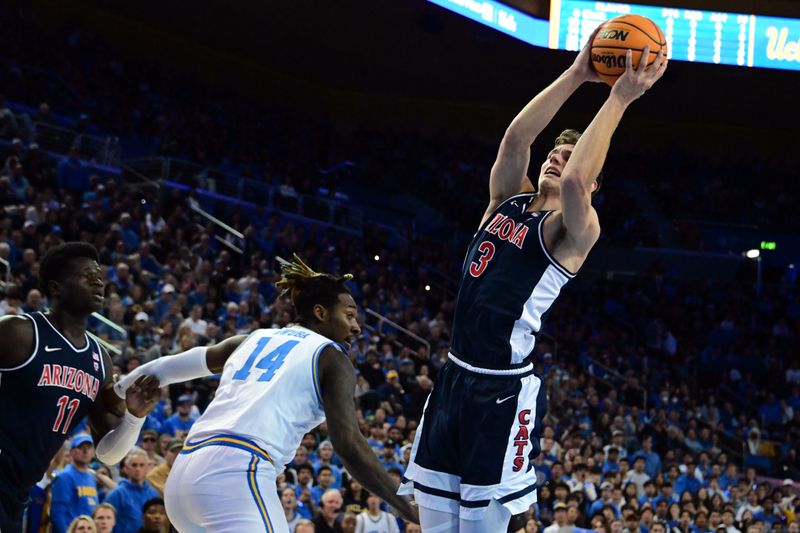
(308, 288)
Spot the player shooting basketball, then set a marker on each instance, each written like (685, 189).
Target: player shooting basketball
(471, 466)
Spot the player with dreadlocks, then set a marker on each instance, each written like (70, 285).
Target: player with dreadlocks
(276, 385)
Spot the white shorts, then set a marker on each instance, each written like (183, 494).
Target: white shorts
(223, 484)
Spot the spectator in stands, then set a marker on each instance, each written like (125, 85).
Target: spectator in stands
(324, 481)
(289, 504)
(154, 516)
(638, 476)
(33, 302)
(349, 523)
(132, 493)
(157, 477)
(354, 497)
(71, 174)
(559, 518)
(179, 424)
(195, 322)
(376, 520)
(74, 490)
(19, 185)
(141, 336)
(325, 458)
(327, 521)
(105, 518)
(305, 526)
(389, 456)
(82, 524)
(651, 459)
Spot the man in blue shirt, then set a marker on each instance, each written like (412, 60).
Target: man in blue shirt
(74, 491)
(179, 424)
(389, 458)
(132, 493)
(652, 461)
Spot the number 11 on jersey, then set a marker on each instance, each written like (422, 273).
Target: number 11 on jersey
(270, 363)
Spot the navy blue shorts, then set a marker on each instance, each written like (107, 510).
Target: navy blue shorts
(477, 440)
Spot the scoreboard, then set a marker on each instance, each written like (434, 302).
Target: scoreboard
(692, 35)
(739, 39)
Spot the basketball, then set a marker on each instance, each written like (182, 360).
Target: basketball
(616, 37)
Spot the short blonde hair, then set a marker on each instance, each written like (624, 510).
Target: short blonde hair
(73, 527)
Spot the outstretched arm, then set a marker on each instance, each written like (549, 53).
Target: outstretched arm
(587, 159)
(508, 175)
(192, 364)
(338, 383)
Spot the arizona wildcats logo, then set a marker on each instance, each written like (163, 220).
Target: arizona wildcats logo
(96, 358)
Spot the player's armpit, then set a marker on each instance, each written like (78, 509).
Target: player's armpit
(217, 355)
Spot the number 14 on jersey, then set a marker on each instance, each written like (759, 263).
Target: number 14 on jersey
(270, 362)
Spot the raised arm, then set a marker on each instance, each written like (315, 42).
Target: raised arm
(338, 382)
(587, 159)
(508, 176)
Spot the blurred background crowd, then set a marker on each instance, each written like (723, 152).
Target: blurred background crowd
(674, 402)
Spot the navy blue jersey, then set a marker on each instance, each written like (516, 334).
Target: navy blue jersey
(509, 282)
(42, 400)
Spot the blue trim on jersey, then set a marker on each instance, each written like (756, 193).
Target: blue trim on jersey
(315, 370)
(231, 441)
(253, 485)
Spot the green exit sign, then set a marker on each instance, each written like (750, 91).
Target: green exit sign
(768, 245)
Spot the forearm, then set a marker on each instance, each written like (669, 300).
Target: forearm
(170, 369)
(589, 155)
(360, 460)
(538, 113)
(113, 447)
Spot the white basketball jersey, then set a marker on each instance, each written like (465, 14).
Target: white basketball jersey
(269, 392)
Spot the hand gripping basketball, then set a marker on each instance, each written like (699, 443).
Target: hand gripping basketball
(634, 82)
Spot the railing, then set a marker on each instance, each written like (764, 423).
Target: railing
(213, 185)
(108, 346)
(384, 320)
(102, 150)
(134, 179)
(617, 379)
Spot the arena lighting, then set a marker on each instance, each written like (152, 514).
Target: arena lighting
(755, 254)
(427, 287)
(377, 258)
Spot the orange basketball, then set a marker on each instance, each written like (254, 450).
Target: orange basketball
(619, 34)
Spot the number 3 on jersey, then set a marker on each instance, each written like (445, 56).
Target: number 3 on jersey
(270, 363)
(476, 268)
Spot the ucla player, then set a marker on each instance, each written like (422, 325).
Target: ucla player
(471, 466)
(276, 386)
(52, 375)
